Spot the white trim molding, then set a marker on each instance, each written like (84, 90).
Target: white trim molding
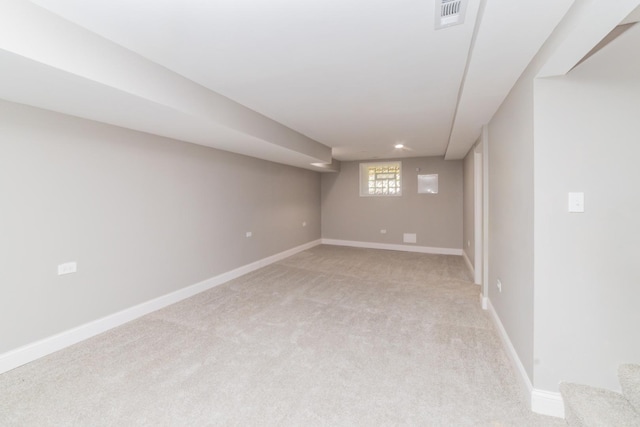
(478, 200)
(522, 375)
(484, 302)
(547, 403)
(467, 261)
(393, 247)
(30, 352)
(541, 401)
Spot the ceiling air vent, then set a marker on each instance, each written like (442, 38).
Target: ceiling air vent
(450, 12)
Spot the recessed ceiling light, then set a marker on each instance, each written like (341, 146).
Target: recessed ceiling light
(399, 146)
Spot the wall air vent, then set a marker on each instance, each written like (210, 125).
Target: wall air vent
(450, 12)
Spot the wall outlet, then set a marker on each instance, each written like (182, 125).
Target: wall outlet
(67, 267)
(304, 223)
(249, 234)
(468, 243)
(383, 231)
(499, 285)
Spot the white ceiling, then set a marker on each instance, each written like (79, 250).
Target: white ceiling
(279, 79)
(622, 52)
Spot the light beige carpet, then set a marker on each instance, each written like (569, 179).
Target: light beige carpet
(329, 337)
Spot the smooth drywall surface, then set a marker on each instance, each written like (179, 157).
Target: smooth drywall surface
(134, 91)
(587, 294)
(141, 215)
(436, 219)
(468, 224)
(511, 218)
(511, 143)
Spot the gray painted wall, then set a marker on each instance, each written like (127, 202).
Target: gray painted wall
(587, 294)
(468, 225)
(510, 215)
(141, 215)
(570, 291)
(435, 218)
(511, 218)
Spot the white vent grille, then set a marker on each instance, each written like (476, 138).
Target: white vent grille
(450, 12)
(449, 8)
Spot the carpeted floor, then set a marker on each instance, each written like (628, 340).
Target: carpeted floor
(332, 336)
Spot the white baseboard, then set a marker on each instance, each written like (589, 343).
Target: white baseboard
(41, 348)
(393, 247)
(541, 401)
(484, 302)
(547, 403)
(467, 261)
(522, 375)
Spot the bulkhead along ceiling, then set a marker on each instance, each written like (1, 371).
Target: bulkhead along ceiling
(296, 82)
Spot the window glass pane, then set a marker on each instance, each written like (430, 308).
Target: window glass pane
(381, 179)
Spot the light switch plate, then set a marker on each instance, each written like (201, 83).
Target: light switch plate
(576, 202)
(66, 268)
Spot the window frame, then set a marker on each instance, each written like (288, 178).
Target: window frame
(364, 178)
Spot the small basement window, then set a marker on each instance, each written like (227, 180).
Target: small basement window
(381, 179)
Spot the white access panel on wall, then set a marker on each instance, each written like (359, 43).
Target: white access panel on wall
(428, 184)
